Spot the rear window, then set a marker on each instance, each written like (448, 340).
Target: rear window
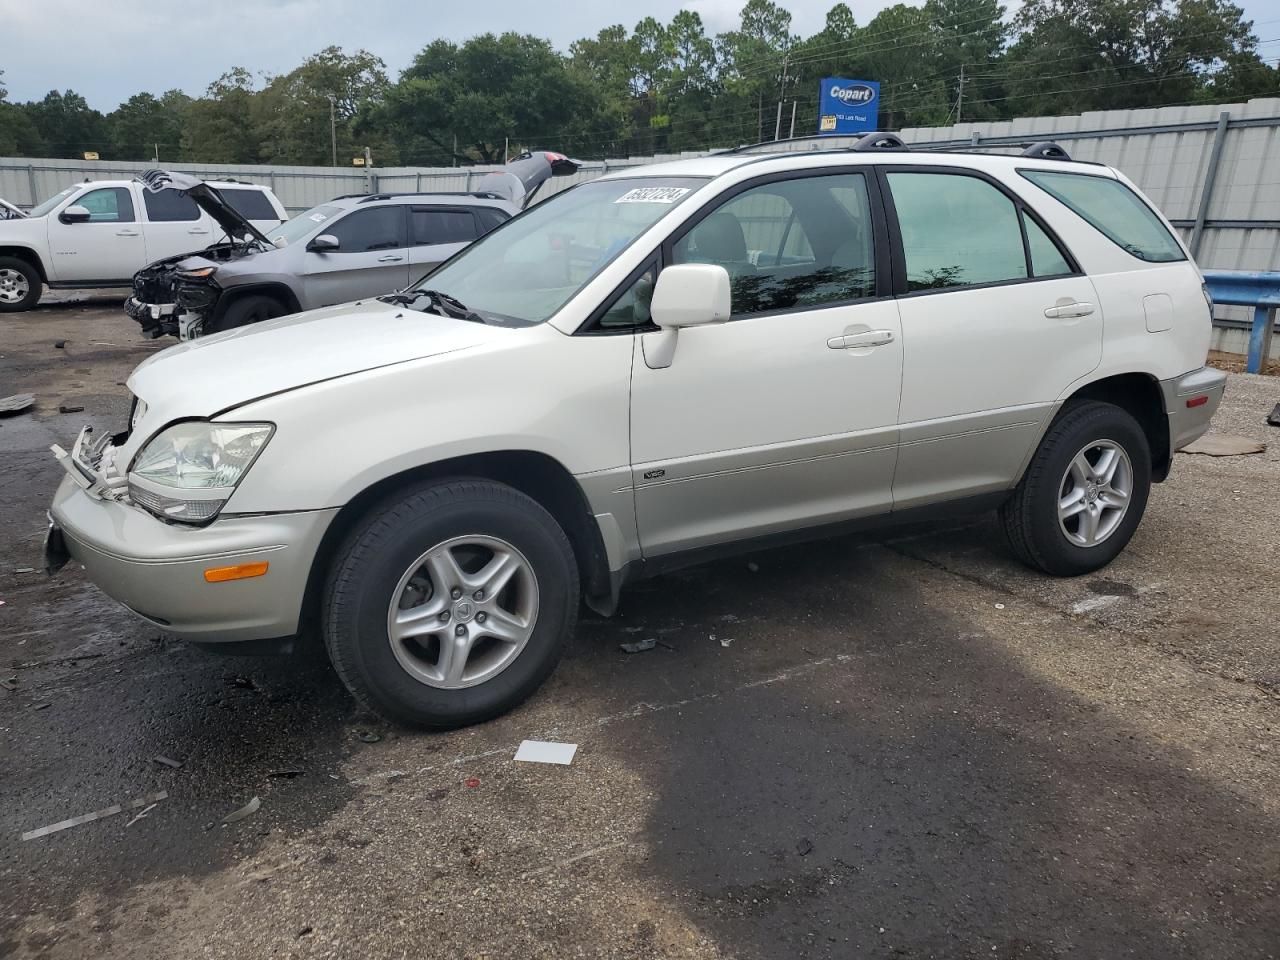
(168, 205)
(1113, 209)
(250, 204)
(442, 226)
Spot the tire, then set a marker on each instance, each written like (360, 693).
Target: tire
(1103, 522)
(247, 310)
(20, 285)
(405, 681)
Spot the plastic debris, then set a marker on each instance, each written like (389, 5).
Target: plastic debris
(59, 344)
(248, 809)
(546, 751)
(367, 737)
(110, 811)
(472, 782)
(69, 408)
(1224, 445)
(726, 641)
(1273, 417)
(15, 404)
(804, 847)
(168, 761)
(25, 570)
(999, 606)
(288, 773)
(139, 815)
(43, 706)
(9, 683)
(639, 646)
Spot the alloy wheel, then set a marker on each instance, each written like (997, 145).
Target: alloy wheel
(1094, 495)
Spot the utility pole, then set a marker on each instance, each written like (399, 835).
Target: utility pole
(792, 134)
(506, 149)
(333, 128)
(777, 127)
(960, 96)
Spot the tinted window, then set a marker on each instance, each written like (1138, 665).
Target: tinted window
(108, 205)
(631, 308)
(442, 226)
(490, 218)
(956, 231)
(250, 204)
(790, 244)
(1113, 209)
(1046, 259)
(169, 205)
(381, 228)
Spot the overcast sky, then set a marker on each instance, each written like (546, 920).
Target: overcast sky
(128, 46)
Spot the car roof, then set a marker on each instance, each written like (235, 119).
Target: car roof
(350, 201)
(220, 184)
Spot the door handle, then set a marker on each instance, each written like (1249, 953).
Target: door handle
(197, 230)
(871, 338)
(391, 259)
(126, 233)
(1067, 311)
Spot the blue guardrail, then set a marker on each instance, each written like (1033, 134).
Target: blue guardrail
(1245, 288)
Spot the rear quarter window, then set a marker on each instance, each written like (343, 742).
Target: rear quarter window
(1114, 210)
(250, 204)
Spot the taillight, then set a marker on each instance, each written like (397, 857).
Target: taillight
(1199, 401)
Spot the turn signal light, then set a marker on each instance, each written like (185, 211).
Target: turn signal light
(1199, 401)
(243, 571)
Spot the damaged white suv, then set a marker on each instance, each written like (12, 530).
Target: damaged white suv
(660, 365)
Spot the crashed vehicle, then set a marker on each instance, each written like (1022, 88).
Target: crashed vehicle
(346, 249)
(9, 212)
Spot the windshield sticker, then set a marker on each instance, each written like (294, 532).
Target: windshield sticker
(653, 195)
(319, 217)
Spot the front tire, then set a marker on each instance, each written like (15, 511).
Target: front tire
(20, 285)
(1084, 492)
(450, 603)
(246, 311)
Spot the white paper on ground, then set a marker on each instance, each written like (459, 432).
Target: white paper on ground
(543, 751)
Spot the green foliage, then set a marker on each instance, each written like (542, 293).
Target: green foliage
(663, 87)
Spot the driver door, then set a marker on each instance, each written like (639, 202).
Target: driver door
(108, 247)
(372, 258)
(784, 417)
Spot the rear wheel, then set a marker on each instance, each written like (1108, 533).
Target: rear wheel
(247, 310)
(1084, 493)
(20, 285)
(450, 603)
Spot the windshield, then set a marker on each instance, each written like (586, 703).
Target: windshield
(41, 209)
(531, 266)
(303, 224)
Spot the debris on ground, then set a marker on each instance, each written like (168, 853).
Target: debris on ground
(110, 811)
(999, 606)
(753, 566)
(248, 809)
(139, 815)
(804, 847)
(1273, 418)
(725, 641)
(59, 344)
(546, 751)
(287, 774)
(472, 782)
(9, 683)
(639, 646)
(368, 737)
(25, 570)
(168, 761)
(70, 408)
(15, 404)
(1224, 445)
(44, 705)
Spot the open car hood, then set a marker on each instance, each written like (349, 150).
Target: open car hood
(520, 179)
(207, 198)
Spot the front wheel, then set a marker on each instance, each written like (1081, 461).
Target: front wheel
(20, 285)
(247, 310)
(1084, 492)
(450, 603)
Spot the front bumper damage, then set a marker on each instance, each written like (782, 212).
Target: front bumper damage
(164, 304)
(157, 568)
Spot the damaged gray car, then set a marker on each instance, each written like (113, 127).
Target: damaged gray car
(346, 249)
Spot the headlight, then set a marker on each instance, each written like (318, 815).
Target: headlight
(188, 471)
(198, 274)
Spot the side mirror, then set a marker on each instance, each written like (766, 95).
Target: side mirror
(686, 295)
(325, 243)
(75, 214)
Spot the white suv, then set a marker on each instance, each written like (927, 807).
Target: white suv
(101, 232)
(649, 369)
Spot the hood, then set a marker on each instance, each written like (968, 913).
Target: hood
(200, 378)
(520, 179)
(9, 212)
(207, 198)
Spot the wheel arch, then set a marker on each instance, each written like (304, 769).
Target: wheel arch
(275, 289)
(1139, 395)
(29, 255)
(535, 474)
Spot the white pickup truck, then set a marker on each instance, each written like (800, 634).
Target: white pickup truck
(100, 232)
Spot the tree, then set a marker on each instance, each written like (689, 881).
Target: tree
(754, 66)
(219, 126)
(145, 126)
(67, 125)
(18, 134)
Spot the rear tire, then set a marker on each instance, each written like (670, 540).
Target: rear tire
(248, 310)
(1083, 494)
(20, 285)
(424, 557)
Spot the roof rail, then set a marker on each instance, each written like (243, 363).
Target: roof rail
(879, 141)
(1045, 150)
(370, 197)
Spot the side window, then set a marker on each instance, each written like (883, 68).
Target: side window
(490, 218)
(1046, 259)
(631, 308)
(381, 228)
(790, 245)
(1112, 209)
(108, 205)
(429, 225)
(250, 204)
(168, 206)
(957, 231)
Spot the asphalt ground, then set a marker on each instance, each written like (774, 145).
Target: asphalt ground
(899, 745)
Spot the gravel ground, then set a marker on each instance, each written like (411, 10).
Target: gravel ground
(901, 745)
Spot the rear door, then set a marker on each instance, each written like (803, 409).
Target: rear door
(997, 322)
(174, 224)
(372, 258)
(436, 233)
(109, 247)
